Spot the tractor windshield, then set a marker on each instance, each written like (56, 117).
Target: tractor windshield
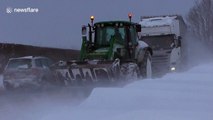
(104, 35)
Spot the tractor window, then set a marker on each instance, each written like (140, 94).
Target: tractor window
(133, 35)
(105, 34)
(121, 33)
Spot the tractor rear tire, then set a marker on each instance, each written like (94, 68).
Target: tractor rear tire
(146, 66)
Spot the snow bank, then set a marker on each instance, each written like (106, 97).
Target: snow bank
(177, 96)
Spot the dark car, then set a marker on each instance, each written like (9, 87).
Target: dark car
(29, 71)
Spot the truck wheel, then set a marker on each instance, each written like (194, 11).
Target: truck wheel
(146, 66)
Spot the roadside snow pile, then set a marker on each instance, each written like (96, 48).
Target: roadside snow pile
(177, 96)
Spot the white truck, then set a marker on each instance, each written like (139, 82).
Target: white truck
(164, 34)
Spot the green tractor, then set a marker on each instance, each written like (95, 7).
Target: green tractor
(110, 52)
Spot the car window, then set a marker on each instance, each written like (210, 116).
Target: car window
(19, 63)
(38, 62)
(45, 62)
(50, 62)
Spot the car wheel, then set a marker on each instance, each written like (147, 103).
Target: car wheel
(7, 86)
(44, 82)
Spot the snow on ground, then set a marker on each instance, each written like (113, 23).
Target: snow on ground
(176, 96)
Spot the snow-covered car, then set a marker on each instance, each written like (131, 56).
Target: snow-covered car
(29, 71)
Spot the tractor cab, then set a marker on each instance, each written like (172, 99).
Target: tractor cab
(110, 40)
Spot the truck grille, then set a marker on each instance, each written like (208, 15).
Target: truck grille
(160, 64)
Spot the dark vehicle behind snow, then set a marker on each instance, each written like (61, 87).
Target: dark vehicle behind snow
(29, 72)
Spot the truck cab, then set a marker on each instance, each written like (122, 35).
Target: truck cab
(164, 35)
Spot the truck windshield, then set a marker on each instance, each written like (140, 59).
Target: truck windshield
(103, 35)
(159, 42)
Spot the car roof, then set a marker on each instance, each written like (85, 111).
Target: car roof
(28, 57)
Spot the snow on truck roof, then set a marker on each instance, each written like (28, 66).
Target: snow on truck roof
(157, 21)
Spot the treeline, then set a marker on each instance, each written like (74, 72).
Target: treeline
(17, 50)
(200, 20)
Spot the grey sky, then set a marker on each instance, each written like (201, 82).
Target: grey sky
(58, 22)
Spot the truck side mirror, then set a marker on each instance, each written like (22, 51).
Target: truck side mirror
(84, 30)
(179, 42)
(179, 37)
(138, 28)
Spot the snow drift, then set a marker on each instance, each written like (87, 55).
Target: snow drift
(176, 96)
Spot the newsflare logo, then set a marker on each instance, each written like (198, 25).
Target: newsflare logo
(10, 10)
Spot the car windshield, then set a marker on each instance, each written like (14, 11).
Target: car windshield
(19, 63)
(159, 42)
(104, 35)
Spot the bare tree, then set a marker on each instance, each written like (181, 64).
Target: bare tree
(200, 19)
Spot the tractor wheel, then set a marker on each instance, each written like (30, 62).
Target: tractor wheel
(129, 71)
(146, 66)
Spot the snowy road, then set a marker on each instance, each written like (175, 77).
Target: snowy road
(176, 96)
